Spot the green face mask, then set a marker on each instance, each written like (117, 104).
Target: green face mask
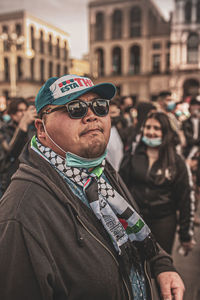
(73, 160)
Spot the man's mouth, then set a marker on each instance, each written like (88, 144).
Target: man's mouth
(90, 130)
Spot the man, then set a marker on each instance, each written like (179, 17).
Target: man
(13, 137)
(67, 223)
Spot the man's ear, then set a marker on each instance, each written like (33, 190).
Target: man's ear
(40, 129)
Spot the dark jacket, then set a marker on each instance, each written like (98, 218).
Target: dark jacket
(52, 246)
(188, 130)
(12, 141)
(159, 200)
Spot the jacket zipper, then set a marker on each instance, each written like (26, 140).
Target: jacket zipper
(148, 278)
(104, 246)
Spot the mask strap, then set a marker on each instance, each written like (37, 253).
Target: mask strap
(52, 139)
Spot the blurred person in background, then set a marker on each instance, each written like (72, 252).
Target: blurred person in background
(13, 137)
(115, 148)
(158, 179)
(191, 151)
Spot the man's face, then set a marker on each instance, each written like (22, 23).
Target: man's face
(86, 137)
(21, 109)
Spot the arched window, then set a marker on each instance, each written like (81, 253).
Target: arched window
(134, 66)
(191, 88)
(117, 24)
(32, 38)
(58, 70)
(58, 48)
(50, 44)
(32, 62)
(65, 51)
(116, 61)
(135, 21)
(19, 67)
(188, 11)
(99, 28)
(100, 62)
(41, 42)
(50, 69)
(42, 70)
(192, 48)
(6, 69)
(198, 12)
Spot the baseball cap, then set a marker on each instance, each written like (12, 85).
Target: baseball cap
(59, 91)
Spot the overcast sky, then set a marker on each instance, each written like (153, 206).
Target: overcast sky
(69, 15)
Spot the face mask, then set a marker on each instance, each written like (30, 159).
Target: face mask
(73, 160)
(152, 142)
(171, 105)
(6, 118)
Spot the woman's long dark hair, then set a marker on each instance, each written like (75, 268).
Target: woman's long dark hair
(167, 151)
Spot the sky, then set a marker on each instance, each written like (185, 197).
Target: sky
(69, 15)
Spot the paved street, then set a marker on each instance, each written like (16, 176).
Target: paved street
(189, 268)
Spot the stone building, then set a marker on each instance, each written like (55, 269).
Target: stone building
(185, 48)
(130, 46)
(31, 51)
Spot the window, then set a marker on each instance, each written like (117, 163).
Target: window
(168, 44)
(167, 62)
(134, 66)
(100, 62)
(18, 29)
(192, 48)
(32, 62)
(135, 22)
(188, 11)
(50, 69)
(32, 38)
(156, 46)
(198, 12)
(58, 70)
(65, 71)
(42, 70)
(156, 63)
(116, 61)
(19, 67)
(58, 48)
(65, 51)
(41, 42)
(6, 46)
(99, 27)
(50, 44)
(6, 69)
(117, 24)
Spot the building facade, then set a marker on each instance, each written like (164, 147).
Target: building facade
(130, 46)
(185, 49)
(31, 51)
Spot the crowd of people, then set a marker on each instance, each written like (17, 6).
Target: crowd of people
(78, 230)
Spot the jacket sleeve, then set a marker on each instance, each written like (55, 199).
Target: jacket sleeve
(184, 199)
(24, 273)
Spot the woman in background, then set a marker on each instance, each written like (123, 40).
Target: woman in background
(159, 181)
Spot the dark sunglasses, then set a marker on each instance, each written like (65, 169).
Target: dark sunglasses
(78, 109)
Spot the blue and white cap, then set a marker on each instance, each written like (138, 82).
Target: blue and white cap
(59, 91)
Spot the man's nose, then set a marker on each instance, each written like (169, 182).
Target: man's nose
(90, 116)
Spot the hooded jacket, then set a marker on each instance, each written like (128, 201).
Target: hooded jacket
(52, 246)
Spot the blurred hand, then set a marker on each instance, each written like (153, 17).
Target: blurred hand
(171, 286)
(28, 117)
(188, 246)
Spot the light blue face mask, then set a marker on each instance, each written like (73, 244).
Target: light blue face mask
(152, 142)
(73, 160)
(171, 105)
(6, 118)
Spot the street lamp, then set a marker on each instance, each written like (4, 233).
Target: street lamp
(12, 41)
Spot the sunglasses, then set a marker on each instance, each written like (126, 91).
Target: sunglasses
(78, 109)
